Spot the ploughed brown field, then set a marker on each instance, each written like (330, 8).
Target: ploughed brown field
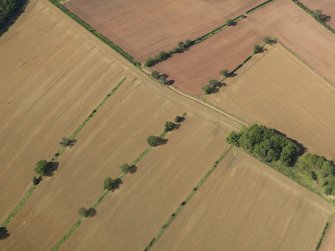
(144, 28)
(293, 27)
(281, 92)
(327, 7)
(245, 205)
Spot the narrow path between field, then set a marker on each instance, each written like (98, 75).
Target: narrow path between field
(187, 199)
(94, 205)
(58, 153)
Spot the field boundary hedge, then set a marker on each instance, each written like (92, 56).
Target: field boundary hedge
(101, 37)
(188, 198)
(59, 152)
(310, 12)
(258, 6)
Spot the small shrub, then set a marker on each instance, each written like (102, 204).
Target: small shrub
(67, 141)
(258, 49)
(162, 56)
(179, 119)
(225, 73)
(155, 141)
(169, 126)
(230, 22)
(269, 40)
(41, 167)
(163, 80)
(87, 212)
(188, 43)
(150, 62)
(112, 184)
(207, 89)
(155, 74)
(36, 180)
(125, 168)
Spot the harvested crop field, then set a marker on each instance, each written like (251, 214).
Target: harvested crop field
(144, 28)
(112, 137)
(327, 7)
(281, 92)
(247, 206)
(282, 19)
(44, 93)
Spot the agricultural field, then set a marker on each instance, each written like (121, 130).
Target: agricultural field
(143, 29)
(247, 206)
(44, 93)
(326, 6)
(295, 29)
(73, 98)
(281, 92)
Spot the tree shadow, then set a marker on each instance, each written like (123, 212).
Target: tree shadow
(133, 169)
(52, 168)
(116, 184)
(325, 18)
(3, 233)
(170, 82)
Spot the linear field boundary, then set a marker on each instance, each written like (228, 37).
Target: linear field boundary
(310, 12)
(59, 152)
(187, 199)
(103, 195)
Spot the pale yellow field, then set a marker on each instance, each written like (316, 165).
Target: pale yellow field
(281, 92)
(245, 205)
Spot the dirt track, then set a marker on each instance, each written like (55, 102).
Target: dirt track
(144, 28)
(227, 49)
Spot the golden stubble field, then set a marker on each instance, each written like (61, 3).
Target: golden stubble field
(245, 205)
(281, 92)
(51, 78)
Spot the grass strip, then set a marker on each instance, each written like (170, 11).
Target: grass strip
(96, 33)
(61, 149)
(258, 6)
(184, 203)
(20, 205)
(310, 12)
(68, 234)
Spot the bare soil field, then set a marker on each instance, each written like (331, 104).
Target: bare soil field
(327, 7)
(44, 93)
(245, 205)
(144, 28)
(281, 92)
(282, 19)
(111, 138)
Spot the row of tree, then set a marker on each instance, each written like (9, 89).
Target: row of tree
(7, 8)
(182, 46)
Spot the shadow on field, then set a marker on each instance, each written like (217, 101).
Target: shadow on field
(52, 168)
(3, 233)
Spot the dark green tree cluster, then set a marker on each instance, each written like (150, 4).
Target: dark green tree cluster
(7, 8)
(90, 212)
(321, 171)
(3, 233)
(230, 22)
(161, 77)
(258, 49)
(182, 46)
(266, 144)
(159, 58)
(269, 40)
(211, 87)
(170, 126)
(42, 167)
(126, 168)
(156, 141)
(112, 184)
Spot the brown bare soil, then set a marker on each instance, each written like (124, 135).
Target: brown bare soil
(281, 92)
(245, 205)
(144, 28)
(45, 94)
(298, 31)
(111, 138)
(327, 7)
